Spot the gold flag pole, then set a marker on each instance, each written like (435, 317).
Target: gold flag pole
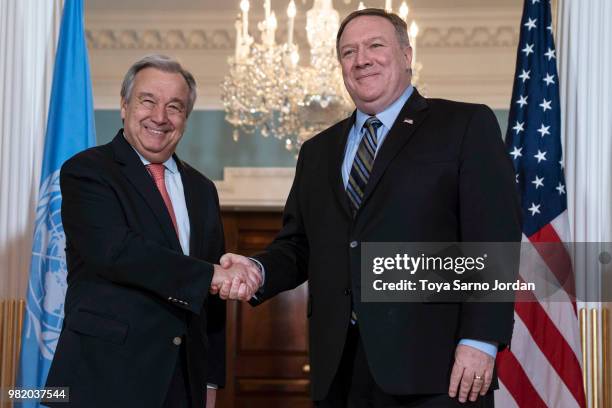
(583, 346)
(20, 304)
(605, 334)
(594, 355)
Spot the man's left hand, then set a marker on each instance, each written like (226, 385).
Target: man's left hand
(472, 373)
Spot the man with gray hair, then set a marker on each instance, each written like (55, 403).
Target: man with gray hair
(402, 168)
(143, 236)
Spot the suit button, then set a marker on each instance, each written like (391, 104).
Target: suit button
(177, 341)
(354, 244)
(347, 291)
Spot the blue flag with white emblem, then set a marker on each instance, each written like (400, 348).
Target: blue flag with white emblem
(70, 129)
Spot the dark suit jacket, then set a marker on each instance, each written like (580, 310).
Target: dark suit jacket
(131, 291)
(444, 178)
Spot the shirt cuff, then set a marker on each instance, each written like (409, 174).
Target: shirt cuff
(212, 386)
(262, 270)
(489, 347)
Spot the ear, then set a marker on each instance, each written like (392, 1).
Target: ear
(407, 51)
(123, 108)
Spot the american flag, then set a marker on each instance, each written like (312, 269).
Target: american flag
(542, 368)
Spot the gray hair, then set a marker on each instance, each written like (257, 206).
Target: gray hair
(162, 63)
(401, 29)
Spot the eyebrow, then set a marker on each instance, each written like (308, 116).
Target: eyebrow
(368, 40)
(150, 95)
(145, 95)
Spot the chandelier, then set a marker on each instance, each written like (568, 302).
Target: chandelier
(267, 90)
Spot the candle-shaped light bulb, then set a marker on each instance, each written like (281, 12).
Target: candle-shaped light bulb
(273, 22)
(403, 11)
(388, 6)
(295, 58)
(414, 30)
(267, 7)
(244, 6)
(238, 26)
(361, 6)
(291, 11)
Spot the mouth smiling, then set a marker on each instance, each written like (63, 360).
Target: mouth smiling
(366, 76)
(155, 132)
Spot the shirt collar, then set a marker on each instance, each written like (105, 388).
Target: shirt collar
(388, 116)
(169, 164)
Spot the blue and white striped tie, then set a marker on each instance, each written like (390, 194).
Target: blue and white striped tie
(361, 170)
(362, 165)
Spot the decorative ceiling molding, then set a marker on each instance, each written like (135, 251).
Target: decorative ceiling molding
(224, 39)
(478, 36)
(175, 39)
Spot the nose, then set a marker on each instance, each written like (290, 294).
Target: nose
(159, 114)
(362, 59)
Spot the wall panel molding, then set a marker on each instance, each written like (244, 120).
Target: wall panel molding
(255, 187)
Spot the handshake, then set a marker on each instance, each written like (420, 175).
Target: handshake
(237, 278)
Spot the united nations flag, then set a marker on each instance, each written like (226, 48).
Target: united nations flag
(70, 129)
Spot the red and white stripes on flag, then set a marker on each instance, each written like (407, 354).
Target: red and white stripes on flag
(542, 368)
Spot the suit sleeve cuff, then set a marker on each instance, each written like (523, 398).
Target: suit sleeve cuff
(488, 347)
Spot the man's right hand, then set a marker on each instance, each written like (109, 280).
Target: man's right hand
(237, 278)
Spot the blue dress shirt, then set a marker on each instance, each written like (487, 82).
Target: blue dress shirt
(387, 117)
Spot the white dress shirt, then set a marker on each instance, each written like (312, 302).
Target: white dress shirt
(174, 186)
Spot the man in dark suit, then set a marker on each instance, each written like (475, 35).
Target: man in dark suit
(143, 234)
(402, 168)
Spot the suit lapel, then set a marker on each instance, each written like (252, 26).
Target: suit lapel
(133, 169)
(335, 164)
(194, 208)
(408, 121)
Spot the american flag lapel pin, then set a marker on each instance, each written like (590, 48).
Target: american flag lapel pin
(408, 121)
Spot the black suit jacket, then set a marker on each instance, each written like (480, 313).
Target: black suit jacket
(444, 178)
(131, 291)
